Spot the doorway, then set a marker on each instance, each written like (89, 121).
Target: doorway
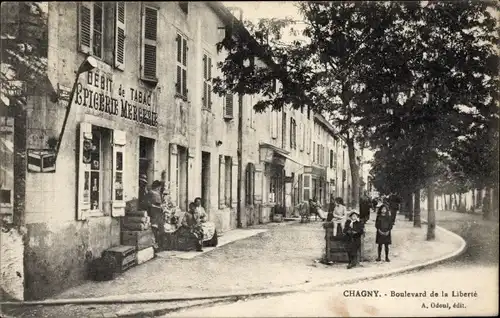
(205, 179)
(182, 175)
(146, 158)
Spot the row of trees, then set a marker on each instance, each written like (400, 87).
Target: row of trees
(414, 80)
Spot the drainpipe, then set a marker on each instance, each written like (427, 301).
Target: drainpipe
(240, 161)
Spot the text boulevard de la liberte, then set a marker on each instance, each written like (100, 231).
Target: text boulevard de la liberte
(402, 294)
(134, 104)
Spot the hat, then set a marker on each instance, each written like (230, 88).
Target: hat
(143, 178)
(353, 212)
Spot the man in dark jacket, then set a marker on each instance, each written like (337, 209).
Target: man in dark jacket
(354, 230)
(365, 204)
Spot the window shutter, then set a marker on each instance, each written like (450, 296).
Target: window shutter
(205, 95)
(209, 84)
(85, 137)
(118, 196)
(150, 43)
(184, 52)
(210, 68)
(205, 66)
(178, 40)
(257, 186)
(222, 170)
(120, 35)
(85, 27)
(209, 94)
(306, 187)
(234, 180)
(178, 85)
(228, 110)
(184, 82)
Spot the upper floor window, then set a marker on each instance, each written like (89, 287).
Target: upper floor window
(182, 48)
(207, 82)
(228, 106)
(149, 44)
(293, 134)
(91, 28)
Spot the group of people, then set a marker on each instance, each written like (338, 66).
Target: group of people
(351, 225)
(152, 200)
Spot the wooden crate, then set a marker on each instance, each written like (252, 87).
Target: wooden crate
(125, 257)
(139, 239)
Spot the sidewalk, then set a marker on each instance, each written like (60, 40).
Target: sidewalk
(281, 259)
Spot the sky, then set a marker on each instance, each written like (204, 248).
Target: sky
(254, 10)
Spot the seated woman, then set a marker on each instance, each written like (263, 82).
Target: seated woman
(339, 216)
(192, 222)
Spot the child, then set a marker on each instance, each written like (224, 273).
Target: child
(354, 230)
(383, 224)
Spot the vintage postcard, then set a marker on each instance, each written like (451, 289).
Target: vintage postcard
(249, 159)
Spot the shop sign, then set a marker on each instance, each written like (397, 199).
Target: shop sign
(41, 160)
(100, 93)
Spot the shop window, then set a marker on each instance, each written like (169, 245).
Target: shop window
(118, 197)
(181, 63)
(207, 82)
(94, 171)
(149, 45)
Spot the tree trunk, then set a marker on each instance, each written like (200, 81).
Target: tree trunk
(411, 207)
(494, 209)
(459, 207)
(473, 200)
(19, 168)
(416, 212)
(354, 173)
(431, 214)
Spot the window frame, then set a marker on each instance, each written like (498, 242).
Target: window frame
(207, 98)
(181, 62)
(149, 42)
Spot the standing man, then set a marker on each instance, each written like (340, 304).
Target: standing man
(365, 204)
(155, 210)
(143, 192)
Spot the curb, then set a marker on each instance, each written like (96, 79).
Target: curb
(157, 298)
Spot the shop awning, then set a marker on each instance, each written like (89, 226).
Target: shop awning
(272, 154)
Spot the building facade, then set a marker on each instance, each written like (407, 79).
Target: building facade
(124, 91)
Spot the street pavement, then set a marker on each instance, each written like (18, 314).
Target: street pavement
(283, 257)
(475, 271)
